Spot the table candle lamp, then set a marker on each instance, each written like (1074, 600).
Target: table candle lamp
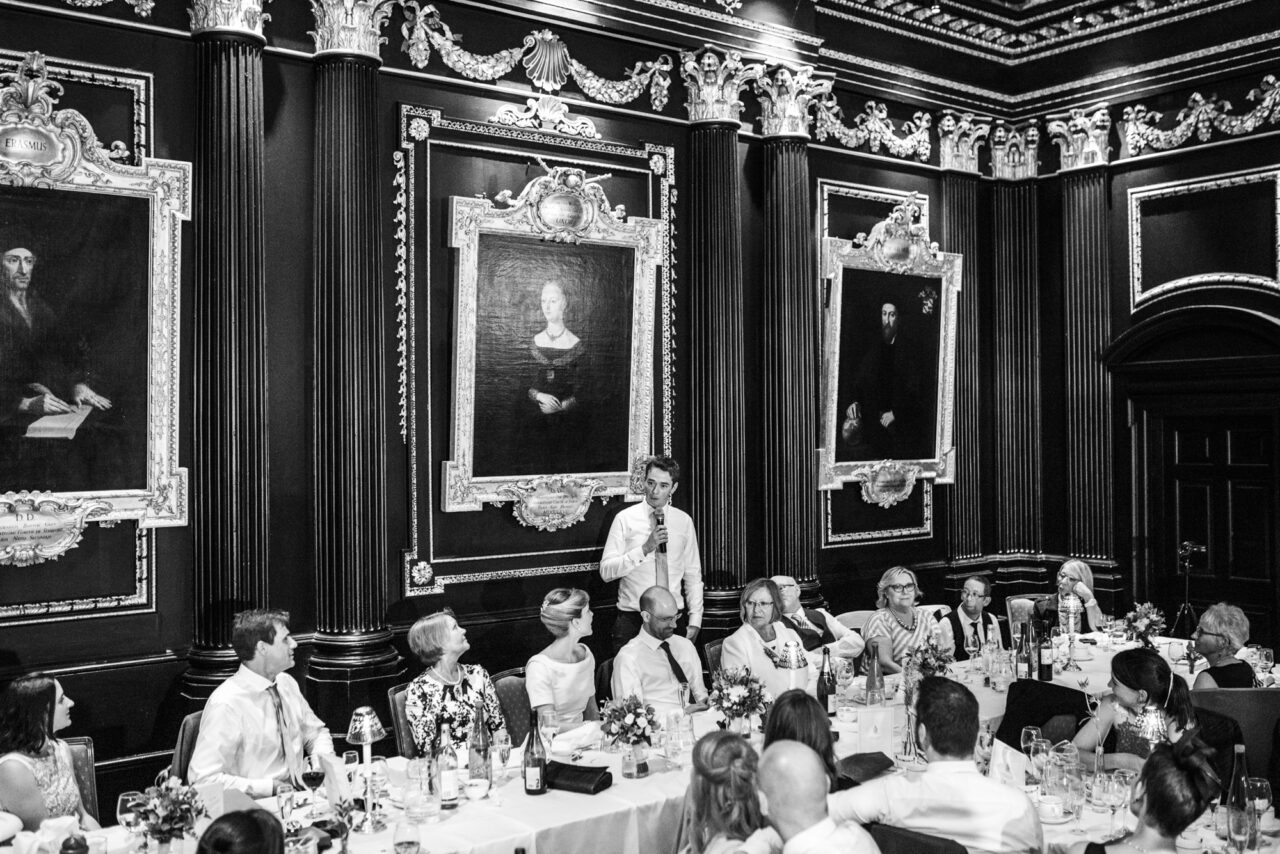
(365, 729)
(792, 660)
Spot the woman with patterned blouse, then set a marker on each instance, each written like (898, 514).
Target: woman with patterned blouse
(899, 624)
(37, 778)
(447, 692)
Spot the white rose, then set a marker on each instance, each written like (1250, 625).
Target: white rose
(629, 719)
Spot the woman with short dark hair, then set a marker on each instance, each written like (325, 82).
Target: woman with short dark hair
(37, 777)
(1139, 678)
(447, 691)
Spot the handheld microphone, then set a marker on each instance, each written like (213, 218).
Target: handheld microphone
(657, 516)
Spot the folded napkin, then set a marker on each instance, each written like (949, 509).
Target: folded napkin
(861, 767)
(583, 779)
(587, 735)
(10, 824)
(48, 839)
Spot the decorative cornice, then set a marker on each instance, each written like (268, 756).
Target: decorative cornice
(1082, 135)
(712, 80)
(960, 135)
(786, 92)
(873, 128)
(1201, 116)
(350, 27)
(1014, 151)
(141, 8)
(243, 17)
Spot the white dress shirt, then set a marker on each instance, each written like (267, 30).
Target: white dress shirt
(827, 837)
(642, 668)
(239, 744)
(624, 559)
(745, 648)
(848, 643)
(950, 799)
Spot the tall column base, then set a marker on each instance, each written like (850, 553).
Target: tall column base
(207, 668)
(347, 671)
(720, 614)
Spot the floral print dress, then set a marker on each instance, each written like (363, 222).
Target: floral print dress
(430, 704)
(55, 777)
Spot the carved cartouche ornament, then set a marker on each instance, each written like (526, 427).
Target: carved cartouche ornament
(786, 93)
(713, 79)
(243, 17)
(350, 26)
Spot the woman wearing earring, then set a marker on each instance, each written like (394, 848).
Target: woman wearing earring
(562, 676)
(447, 692)
(1140, 679)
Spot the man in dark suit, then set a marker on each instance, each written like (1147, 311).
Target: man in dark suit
(815, 626)
(972, 616)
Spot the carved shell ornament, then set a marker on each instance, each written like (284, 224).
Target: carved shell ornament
(546, 60)
(901, 243)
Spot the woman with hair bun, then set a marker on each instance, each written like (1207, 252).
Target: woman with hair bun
(1175, 786)
(722, 809)
(563, 676)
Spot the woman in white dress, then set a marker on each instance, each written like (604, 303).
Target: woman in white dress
(563, 676)
(760, 643)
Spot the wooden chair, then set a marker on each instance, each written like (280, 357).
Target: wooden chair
(514, 699)
(1255, 709)
(604, 681)
(86, 776)
(712, 649)
(854, 619)
(1019, 608)
(400, 721)
(188, 731)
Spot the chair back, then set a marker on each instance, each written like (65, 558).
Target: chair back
(604, 681)
(1222, 733)
(513, 697)
(86, 776)
(1019, 609)
(1033, 703)
(899, 840)
(938, 612)
(1255, 709)
(712, 649)
(400, 721)
(854, 619)
(188, 731)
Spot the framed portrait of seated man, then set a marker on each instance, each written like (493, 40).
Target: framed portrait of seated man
(888, 377)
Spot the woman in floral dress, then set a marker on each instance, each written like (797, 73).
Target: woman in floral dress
(447, 691)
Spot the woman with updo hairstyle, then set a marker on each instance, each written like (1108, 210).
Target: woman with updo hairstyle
(1222, 631)
(1139, 677)
(563, 676)
(722, 807)
(795, 716)
(1172, 791)
(243, 832)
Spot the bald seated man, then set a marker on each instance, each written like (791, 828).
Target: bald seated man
(654, 664)
(815, 626)
(793, 789)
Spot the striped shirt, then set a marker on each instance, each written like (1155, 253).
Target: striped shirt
(883, 624)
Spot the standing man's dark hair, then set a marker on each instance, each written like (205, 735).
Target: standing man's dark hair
(666, 464)
(257, 624)
(948, 712)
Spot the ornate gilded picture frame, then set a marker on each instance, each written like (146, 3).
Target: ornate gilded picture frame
(888, 375)
(88, 327)
(553, 364)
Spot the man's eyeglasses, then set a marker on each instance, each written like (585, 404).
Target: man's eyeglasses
(901, 588)
(973, 594)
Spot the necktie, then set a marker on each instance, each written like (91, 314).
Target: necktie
(660, 575)
(286, 741)
(802, 621)
(675, 665)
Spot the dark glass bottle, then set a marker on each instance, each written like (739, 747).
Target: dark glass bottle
(535, 759)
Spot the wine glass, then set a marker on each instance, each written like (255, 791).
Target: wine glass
(406, 839)
(1260, 794)
(548, 726)
(844, 676)
(501, 745)
(1029, 734)
(1266, 660)
(312, 777)
(1073, 795)
(1039, 755)
(1118, 794)
(126, 815)
(972, 645)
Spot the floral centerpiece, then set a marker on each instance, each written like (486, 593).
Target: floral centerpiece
(1144, 622)
(927, 659)
(168, 811)
(737, 694)
(631, 723)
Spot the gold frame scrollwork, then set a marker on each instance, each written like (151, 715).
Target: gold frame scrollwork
(898, 245)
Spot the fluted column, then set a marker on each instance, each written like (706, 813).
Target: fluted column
(791, 356)
(960, 137)
(1016, 402)
(230, 495)
(1082, 136)
(718, 463)
(354, 661)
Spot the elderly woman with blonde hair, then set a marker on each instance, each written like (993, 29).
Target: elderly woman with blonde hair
(447, 692)
(563, 676)
(761, 641)
(1074, 576)
(1222, 631)
(899, 625)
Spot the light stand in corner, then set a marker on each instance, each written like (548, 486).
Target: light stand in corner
(1185, 551)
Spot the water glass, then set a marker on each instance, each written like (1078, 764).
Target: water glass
(548, 726)
(1029, 735)
(1001, 672)
(1266, 660)
(380, 778)
(1260, 794)
(284, 800)
(501, 750)
(1039, 756)
(406, 838)
(477, 788)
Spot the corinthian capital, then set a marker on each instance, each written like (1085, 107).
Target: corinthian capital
(1015, 151)
(786, 93)
(244, 17)
(960, 135)
(713, 78)
(1083, 136)
(350, 26)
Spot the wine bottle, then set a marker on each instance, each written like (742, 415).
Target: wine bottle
(479, 762)
(875, 676)
(1022, 654)
(535, 759)
(827, 683)
(1046, 655)
(1242, 818)
(447, 761)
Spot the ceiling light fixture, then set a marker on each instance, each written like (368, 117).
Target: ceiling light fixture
(935, 9)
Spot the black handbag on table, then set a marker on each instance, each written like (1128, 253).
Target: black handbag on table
(583, 779)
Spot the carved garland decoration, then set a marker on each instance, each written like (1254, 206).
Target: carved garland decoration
(141, 8)
(1201, 117)
(874, 129)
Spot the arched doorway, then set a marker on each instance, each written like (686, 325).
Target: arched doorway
(1202, 388)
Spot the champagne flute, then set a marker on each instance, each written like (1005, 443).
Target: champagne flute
(1039, 754)
(127, 816)
(1239, 823)
(502, 750)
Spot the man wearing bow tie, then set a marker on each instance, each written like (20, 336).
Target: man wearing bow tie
(653, 544)
(972, 616)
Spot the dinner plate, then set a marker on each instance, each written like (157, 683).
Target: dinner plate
(1062, 819)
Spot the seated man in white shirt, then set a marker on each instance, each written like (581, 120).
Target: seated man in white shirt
(950, 798)
(972, 616)
(257, 728)
(815, 626)
(654, 664)
(793, 789)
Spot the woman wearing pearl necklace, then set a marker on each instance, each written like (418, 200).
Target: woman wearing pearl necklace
(899, 624)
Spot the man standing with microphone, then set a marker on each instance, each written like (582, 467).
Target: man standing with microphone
(653, 543)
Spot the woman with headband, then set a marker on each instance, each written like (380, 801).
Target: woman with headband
(1139, 678)
(562, 676)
